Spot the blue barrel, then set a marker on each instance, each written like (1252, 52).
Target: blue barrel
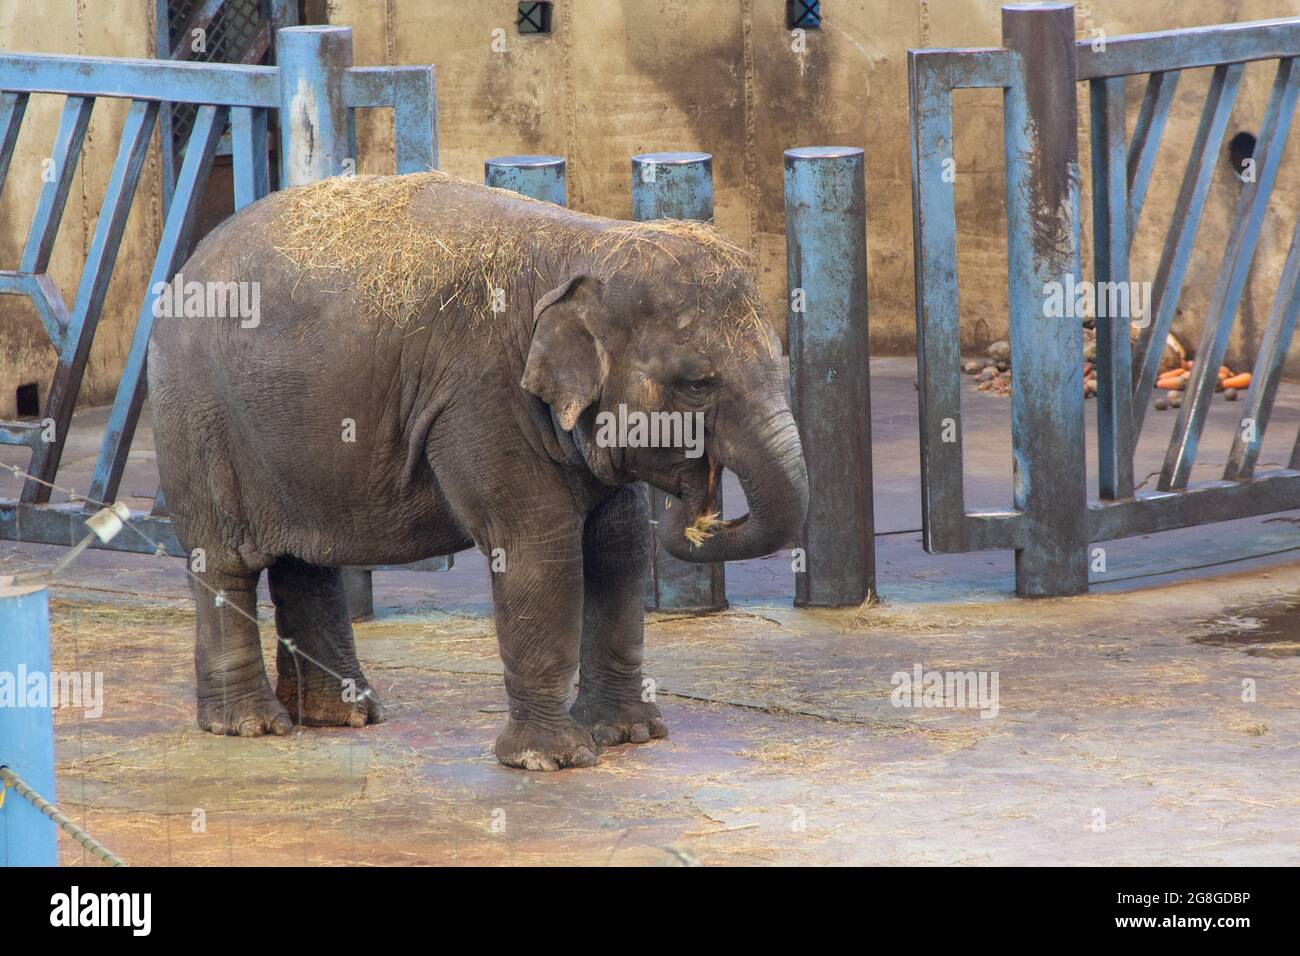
(538, 177)
(27, 837)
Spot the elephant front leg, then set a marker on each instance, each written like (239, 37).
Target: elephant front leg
(612, 700)
(537, 599)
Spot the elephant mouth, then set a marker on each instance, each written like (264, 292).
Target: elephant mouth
(702, 509)
(705, 519)
(769, 465)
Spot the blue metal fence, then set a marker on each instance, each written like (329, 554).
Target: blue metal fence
(1038, 68)
(315, 88)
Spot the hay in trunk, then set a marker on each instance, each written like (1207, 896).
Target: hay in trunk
(701, 529)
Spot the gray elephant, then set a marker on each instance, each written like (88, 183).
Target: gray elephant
(428, 369)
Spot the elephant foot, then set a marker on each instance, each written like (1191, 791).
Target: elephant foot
(552, 746)
(244, 713)
(619, 722)
(324, 701)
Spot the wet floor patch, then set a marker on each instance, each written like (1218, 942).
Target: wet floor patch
(1272, 631)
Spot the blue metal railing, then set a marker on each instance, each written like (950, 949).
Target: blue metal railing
(1039, 65)
(314, 83)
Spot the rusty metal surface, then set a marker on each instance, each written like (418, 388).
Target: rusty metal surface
(830, 377)
(539, 177)
(1187, 48)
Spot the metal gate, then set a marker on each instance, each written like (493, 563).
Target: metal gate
(1038, 67)
(314, 87)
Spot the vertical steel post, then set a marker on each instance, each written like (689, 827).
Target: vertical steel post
(538, 177)
(1042, 176)
(27, 837)
(315, 143)
(826, 264)
(1110, 243)
(314, 119)
(677, 186)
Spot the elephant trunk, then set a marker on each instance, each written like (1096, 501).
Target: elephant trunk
(767, 457)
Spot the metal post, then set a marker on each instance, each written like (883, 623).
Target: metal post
(677, 186)
(315, 143)
(538, 177)
(314, 119)
(27, 838)
(672, 186)
(1042, 174)
(826, 264)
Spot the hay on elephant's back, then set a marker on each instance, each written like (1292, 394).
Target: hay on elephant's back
(362, 227)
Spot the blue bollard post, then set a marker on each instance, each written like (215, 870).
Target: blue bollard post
(538, 177)
(677, 186)
(27, 837)
(826, 264)
(316, 143)
(314, 119)
(672, 186)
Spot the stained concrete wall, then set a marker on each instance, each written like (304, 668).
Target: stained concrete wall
(123, 28)
(620, 77)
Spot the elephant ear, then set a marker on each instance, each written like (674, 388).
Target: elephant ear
(565, 367)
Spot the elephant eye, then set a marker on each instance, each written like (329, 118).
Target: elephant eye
(696, 386)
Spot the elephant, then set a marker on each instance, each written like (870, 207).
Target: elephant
(424, 374)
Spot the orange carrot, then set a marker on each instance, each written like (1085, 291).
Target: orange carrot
(1237, 381)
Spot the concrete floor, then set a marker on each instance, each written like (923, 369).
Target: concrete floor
(1122, 736)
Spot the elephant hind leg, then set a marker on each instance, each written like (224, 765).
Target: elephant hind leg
(234, 695)
(320, 681)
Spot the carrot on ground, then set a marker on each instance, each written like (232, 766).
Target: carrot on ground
(1237, 381)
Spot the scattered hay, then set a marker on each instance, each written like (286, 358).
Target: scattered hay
(362, 228)
(113, 620)
(804, 753)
